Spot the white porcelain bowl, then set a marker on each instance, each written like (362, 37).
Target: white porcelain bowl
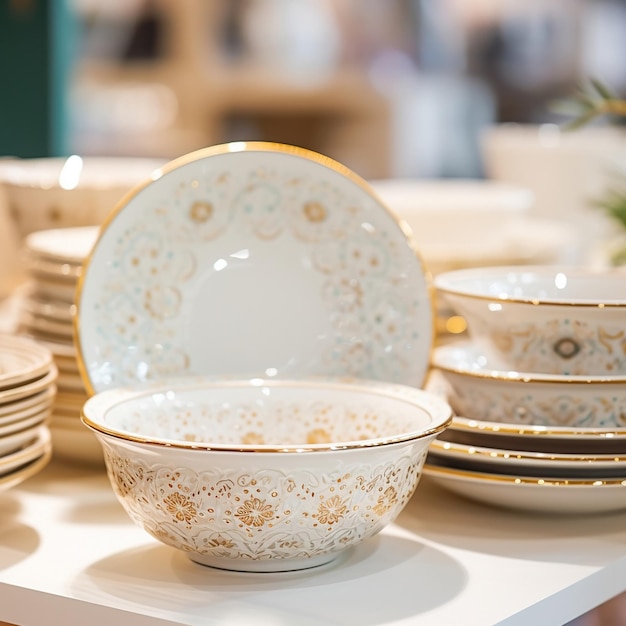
(478, 391)
(543, 319)
(565, 170)
(265, 475)
(58, 192)
(453, 211)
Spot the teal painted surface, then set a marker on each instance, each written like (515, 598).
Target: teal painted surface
(36, 48)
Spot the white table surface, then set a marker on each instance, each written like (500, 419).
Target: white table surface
(70, 555)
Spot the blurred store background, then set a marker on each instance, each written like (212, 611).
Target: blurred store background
(393, 88)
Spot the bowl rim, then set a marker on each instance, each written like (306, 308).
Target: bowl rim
(446, 283)
(441, 413)
(513, 375)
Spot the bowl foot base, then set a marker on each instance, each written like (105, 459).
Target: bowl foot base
(264, 565)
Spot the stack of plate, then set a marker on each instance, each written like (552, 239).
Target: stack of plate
(531, 467)
(27, 390)
(539, 390)
(53, 260)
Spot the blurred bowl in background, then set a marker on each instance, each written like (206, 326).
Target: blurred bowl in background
(59, 192)
(453, 211)
(567, 171)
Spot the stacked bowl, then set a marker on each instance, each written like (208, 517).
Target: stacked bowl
(53, 262)
(538, 388)
(253, 325)
(27, 389)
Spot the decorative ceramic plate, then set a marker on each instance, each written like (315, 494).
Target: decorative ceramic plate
(554, 440)
(490, 459)
(253, 259)
(38, 324)
(15, 441)
(533, 494)
(21, 360)
(17, 416)
(528, 437)
(34, 400)
(19, 475)
(30, 388)
(49, 309)
(30, 452)
(49, 288)
(62, 245)
(25, 423)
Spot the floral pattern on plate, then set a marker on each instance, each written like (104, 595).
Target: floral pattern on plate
(253, 262)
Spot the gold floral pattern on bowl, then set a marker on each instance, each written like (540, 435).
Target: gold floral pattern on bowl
(265, 475)
(265, 519)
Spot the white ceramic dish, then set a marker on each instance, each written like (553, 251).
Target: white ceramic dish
(453, 211)
(533, 495)
(60, 348)
(57, 311)
(15, 441)
(21, 474)
(50, 193)
(563, 169)
(34, 324)
(39, 417)
(62, 246)
(29, 388)
(16, 416)
(481, 392)
(549, 440)
(524, 241)
(548, 319)
(41, 397)
(265, 475)
(53, 288)
(21, 360)
(44, 269)
(253, 259)
(493, 458)
(28, 453)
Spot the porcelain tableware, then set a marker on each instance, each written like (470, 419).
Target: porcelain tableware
(39, 417)
(481, 392)
(265, 475)
(21, 404)
(533, 494)
(453, 211)
(22, 473)
(62, 246)
(55, 192)
(28, 453)
(253, 259)
(492, 459)
(14, 441)
(21, 361)
(30, 388)
(543, 319)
